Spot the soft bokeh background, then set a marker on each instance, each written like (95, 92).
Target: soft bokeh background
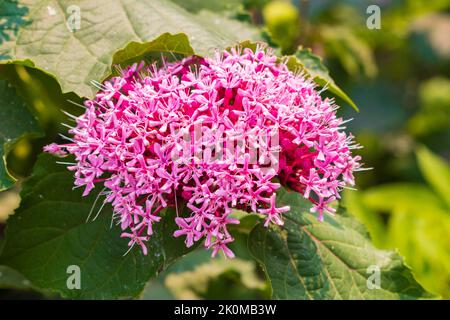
(397, 75)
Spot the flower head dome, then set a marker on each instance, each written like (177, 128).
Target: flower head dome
(216, 133)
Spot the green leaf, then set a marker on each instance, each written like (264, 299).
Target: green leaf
(43, 39)
(15, 123)
(165, 43)
(308, 259)
(305, 60)
(436, 172)
(353, 202)
(49, 233)
(10, 278)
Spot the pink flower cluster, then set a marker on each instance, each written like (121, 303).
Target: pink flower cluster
(215, 133)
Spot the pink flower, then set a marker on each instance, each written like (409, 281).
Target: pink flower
(273, 213)
(214, 133)
(221, 245)
(55, 149)
(188, 230)
(322, 206)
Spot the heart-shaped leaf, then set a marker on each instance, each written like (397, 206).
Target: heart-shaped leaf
(75, 42)
(309, 259)
(48, 240)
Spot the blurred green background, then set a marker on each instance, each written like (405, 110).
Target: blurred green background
(398, 76)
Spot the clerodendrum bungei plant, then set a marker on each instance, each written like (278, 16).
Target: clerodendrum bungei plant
(215, 140)
(219, 134)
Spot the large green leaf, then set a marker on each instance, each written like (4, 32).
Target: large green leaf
(36, 34)
(49, 233)
(354, 204)
(15, 122)
(308, 259)
(305, 60)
